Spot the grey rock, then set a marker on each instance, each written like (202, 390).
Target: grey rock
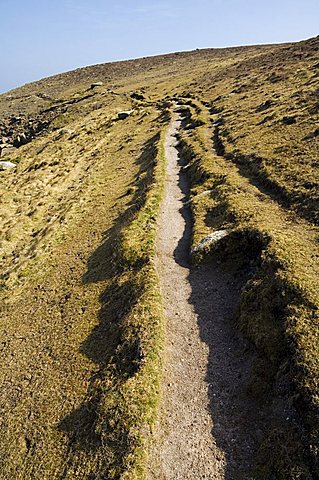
(137, 96)
(6, 165)
(67, 131)
(211, 239)
(20, 140)
(7, 150)
(64, 131)
(96, 84)
(15, 120)
(123, 115)
(288, 120)
(44, 96)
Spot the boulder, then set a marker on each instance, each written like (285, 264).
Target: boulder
(7, 150)
(44, 96)
(20, 140)
(137, 96)
(6, 165)
(209, 241)
(288, 120)
(67, 131)
(15, 120)
(96, 84)
(123, 115)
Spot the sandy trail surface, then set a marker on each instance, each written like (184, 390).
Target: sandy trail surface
(205, 428)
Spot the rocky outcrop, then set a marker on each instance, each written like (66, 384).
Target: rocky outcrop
(18, 131)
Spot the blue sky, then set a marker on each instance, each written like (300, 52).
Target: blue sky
(41, 37)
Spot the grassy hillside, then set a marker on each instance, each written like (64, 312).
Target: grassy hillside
(81, 326)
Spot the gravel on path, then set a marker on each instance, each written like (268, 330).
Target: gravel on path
(206, 422)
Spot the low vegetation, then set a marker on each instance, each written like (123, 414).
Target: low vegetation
(82, 325)
(278, 311)
(113, 405)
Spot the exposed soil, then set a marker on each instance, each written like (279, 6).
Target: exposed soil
(207, 425)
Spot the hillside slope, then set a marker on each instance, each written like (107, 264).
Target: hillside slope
(82, 328)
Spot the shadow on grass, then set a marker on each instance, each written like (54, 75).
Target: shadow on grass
(215, 296)
(96, 427)
(252, 167)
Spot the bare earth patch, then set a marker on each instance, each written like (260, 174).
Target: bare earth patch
(205, 425)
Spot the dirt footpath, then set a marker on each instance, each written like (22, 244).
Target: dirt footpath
(205, 424)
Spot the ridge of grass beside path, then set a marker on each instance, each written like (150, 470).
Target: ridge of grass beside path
(128, 411)
(278, 309)
(127, 387)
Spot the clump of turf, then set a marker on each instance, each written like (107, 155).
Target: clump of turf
(130, 390)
